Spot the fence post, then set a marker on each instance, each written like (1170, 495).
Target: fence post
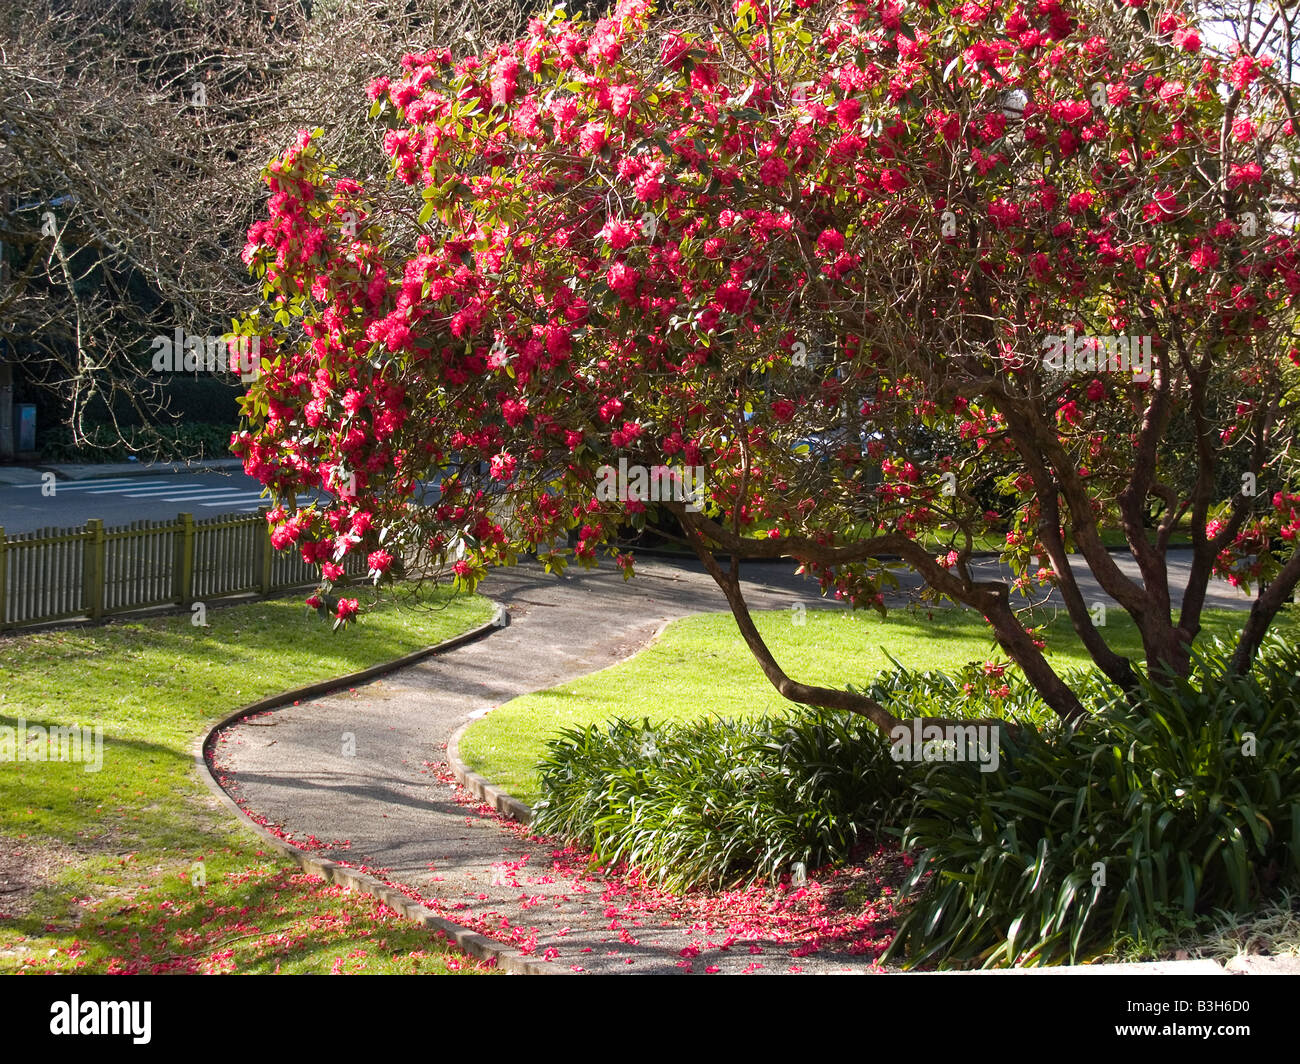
(183, 561)
(4, 580)
(265, 552)
(92, 569)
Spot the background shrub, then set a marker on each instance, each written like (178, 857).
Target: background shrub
(148, 443)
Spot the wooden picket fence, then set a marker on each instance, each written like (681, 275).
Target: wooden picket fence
(57, 574)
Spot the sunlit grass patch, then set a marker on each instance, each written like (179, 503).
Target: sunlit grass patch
(701, 667)
(122, 887)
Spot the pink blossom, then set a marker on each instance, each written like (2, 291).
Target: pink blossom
(892, 181)
(592, 137)
(502, 466)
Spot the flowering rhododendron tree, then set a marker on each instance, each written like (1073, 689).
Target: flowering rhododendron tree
(897, 277)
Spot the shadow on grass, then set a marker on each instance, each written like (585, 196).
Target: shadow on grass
(175, 928)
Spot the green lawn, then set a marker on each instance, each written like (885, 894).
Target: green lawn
(701, 666)
(118, 852)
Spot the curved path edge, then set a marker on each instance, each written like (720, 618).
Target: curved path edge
(484, 789)
(476, 945)
(480, 786)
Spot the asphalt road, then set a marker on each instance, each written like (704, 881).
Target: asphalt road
(121, 500)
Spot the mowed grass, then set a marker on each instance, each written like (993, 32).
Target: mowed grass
(137, 868)
(701, 667)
